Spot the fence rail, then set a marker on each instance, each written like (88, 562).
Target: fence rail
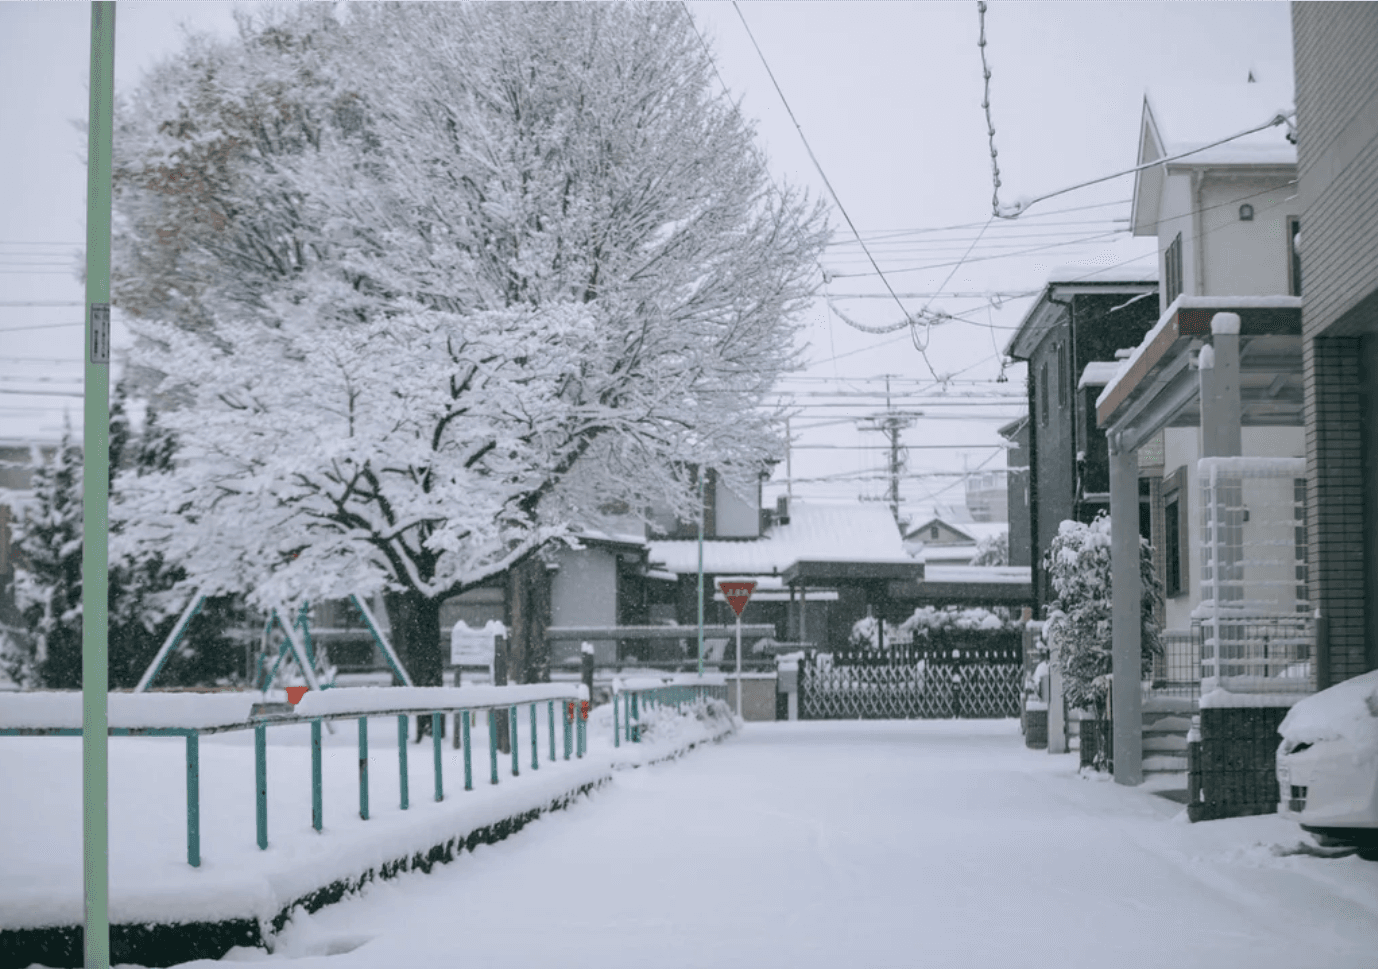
(679, 690)
(158, 715)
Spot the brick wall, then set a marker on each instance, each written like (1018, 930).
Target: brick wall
(1334, 501)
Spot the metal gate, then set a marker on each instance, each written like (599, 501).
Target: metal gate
(907, 684)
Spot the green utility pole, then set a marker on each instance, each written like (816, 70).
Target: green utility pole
(95, 572)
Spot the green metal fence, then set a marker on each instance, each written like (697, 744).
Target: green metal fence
(631, 696)
(568, 696)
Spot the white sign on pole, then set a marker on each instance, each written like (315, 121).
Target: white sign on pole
(475, 647)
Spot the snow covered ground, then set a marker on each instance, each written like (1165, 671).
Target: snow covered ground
(150, 880)
(919, 843)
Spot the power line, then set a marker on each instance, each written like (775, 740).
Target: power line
(823, 175)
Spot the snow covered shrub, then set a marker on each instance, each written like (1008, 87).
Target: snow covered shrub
(993, 551)
(1079, 621)
(866, 634)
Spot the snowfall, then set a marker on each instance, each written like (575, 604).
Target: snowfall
(799, 844)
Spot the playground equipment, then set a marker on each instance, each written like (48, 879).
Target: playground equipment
(296, 647)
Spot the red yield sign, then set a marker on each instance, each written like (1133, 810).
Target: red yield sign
(737, 592)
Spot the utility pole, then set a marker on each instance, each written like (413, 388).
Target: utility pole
(95, 562)
(789, 464)
(891, 423)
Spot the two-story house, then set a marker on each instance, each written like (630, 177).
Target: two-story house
(1203, 418)
(1073, 322)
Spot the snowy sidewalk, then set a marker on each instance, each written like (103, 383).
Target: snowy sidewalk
(150, 881)
(893, 844)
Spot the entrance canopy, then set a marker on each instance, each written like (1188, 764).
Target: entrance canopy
(1158, 387)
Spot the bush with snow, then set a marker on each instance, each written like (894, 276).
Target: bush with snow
(1080, 620)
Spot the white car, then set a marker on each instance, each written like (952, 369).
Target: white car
(1327, 764)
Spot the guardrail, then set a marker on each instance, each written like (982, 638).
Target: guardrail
(191, 715)
(630, 694)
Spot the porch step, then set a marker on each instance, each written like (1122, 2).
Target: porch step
(1165, 764)
(1165, 743)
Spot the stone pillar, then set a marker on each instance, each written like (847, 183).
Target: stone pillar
(1126, 599)
(1057, 711)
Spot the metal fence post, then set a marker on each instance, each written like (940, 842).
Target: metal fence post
(261, 783)
(535, 741)
(436, 720)
(493, 742)
(363, 768)
(193, 800)
(550, 721)
(402, 758)
(512, 730)
(468, 766)
(316, 806)
(616, 736)
(567, 724)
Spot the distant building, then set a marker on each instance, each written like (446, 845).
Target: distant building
(986, 496)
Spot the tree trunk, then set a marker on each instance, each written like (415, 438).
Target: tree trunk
(528, 614)
(415, 622)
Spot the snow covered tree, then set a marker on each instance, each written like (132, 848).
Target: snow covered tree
(1080, 620)
(47, 578)
(993, 551)
(456, 277)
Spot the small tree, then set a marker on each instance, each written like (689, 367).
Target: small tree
(993, 551)
(47, 580)
(1080, 621)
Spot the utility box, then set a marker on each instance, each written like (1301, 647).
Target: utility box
(758, 695)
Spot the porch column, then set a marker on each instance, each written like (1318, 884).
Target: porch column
(1125, 606)
(1219, 380)
(1218, 376)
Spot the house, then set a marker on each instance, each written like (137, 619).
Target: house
(1073, 322)
(1337, 123)
(937, 542)
(819, 568)
(1204, 419)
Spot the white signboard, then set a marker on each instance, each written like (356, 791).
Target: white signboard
(474, 647)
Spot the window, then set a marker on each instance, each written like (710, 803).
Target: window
(1043, 394)
(1172, 270)
(1294, 255)
(933, 533)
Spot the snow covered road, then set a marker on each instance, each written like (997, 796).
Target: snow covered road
(922, 843)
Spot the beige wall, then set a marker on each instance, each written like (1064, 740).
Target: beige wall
(758, 697)
(1247, 258)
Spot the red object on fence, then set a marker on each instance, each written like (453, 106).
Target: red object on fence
(295, 693)
(583, 709)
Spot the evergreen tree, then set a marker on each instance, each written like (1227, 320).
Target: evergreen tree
(48, 577)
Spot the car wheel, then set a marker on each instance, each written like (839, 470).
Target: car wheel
(1330, 841)
(1369, 852)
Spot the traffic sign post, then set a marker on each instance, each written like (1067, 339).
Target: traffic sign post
(737, 592)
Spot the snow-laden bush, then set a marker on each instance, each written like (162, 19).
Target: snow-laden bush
(1080, 619)
(933, 626)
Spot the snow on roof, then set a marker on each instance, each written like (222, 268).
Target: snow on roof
(1185, 302)
(978, 573)
(816, 530)
(1074, 273)
(1098, 373)
(1190, 115)
(1348, 711)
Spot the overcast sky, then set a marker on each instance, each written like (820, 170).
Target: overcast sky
(888, 96)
